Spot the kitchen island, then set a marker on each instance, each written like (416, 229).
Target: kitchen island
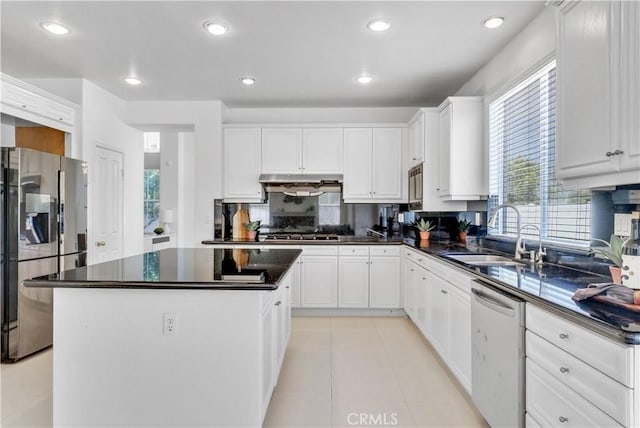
(177, 337)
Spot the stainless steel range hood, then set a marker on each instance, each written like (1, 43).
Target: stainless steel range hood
(301, 185)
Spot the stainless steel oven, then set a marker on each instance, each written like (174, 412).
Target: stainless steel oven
(415, 188)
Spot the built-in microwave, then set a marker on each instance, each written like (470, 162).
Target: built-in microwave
(415, 188)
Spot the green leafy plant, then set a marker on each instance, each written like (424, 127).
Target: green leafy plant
(464, 225)
(611, 251)
(424, 225)
(252, 225)
(158, 230)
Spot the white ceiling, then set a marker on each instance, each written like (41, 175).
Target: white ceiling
(301, 53)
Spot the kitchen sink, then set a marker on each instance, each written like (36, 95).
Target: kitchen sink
(484, 259)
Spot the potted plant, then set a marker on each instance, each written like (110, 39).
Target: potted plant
(252, 229)
(463, 229)
(424, 227)
(612, 251)
(158, 230)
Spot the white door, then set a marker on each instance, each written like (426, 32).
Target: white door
(242, 164)
(281, 151)
(387, 163)
(357, 163)
(353, 282)
(384, 288)
(322, 151)
(319, 276)
(106, 175)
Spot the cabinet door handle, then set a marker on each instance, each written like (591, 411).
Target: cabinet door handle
(618, 152)
(563, 336)
(444, 291)
(100, 243)
(563, 419)
(609, 154)
(424, 278)
(278, 303)
(564, 370)
(287, 286)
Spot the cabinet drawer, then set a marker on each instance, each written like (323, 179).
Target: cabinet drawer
(320, 250)
(56, 111)
(610, 396)
(416, 257)
(384, 250)
(452, 275)
(18, 97)
(353, 250)
(554, 404)
(613, 359)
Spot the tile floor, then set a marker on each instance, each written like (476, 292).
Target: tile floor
(338, 372)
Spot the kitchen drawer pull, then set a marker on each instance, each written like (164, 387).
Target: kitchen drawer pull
(278, 303)
(412, 270)
(563, 336)
(564, 370)
(287, 286)
(563, 419)
(444, 291)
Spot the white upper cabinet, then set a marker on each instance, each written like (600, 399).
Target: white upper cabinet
(301, 151)
(281, 151)
(462, 149)
(242, 165)
(22, 100)
(429, 118)
(416, 150)
(598, 92)
(322, 151)
(372, 165)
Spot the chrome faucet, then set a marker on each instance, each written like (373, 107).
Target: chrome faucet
(536, 257)
(518, 252)
(374, 232)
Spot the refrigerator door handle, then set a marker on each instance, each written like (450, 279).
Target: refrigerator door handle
(62, 196)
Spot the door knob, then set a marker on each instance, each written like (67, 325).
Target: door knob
(100, 243)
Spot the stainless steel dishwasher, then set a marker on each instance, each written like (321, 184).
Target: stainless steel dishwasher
(497, 361)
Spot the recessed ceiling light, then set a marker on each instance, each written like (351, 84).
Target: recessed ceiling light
(55, 28)
(379, 25)
(215, 28)
(132, 80)
(493, 22)
(248, 80)
(364, 79)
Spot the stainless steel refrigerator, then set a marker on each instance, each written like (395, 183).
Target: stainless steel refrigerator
(44, 226)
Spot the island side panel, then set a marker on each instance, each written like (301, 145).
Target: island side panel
(114, 366)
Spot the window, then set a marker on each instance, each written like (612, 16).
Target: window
(151, 181)
(522, 165)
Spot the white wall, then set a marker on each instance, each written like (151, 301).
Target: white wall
(533, 44)
(206, 119)
(104, 125)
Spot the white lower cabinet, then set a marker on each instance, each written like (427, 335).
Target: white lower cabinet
(576, 377)
(384, 282)
(353, 282)
(554, 404)
(318, 281)
(441, 308)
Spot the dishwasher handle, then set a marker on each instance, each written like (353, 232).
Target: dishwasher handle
(492, 303)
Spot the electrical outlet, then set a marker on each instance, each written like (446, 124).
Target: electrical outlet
(170, 323)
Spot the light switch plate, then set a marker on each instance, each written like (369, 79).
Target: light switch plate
(622, 224)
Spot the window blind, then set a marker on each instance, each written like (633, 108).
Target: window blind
(151, 142)
(522, 141)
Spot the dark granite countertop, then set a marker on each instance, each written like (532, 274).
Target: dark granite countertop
(550, 286)
(342, 240)
(172, 268)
